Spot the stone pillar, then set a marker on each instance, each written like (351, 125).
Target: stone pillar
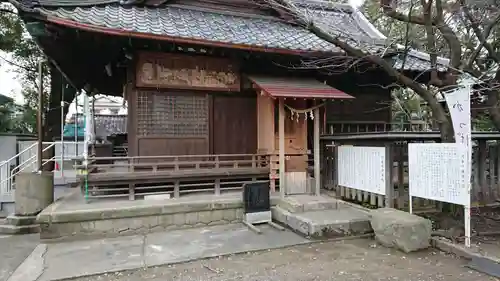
(33, 192)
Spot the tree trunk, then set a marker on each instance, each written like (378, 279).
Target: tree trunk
(52, 124)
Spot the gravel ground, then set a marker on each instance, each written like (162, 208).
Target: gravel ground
(13, 251)
(348, 260)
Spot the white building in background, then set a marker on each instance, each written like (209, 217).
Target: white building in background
(103, 105)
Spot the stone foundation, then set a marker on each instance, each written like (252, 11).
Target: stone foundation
(139, 225)
(129, 220)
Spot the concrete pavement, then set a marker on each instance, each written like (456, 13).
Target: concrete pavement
(349, 260)
(13, 251)
(89, 257)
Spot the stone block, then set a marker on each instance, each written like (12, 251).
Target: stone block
(401, 230)
(204, 217)
(217, 215)
(192, 218)
(229, 214)
(325, 223)
(278, 214)
(179, 219)
(307, 203)
(166, 220)
(19, 229)
(34, 192)
(239, 214)
(21, 220)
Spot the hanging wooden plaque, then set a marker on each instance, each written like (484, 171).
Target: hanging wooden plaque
(178, 71)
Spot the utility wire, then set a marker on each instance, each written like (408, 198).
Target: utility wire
(17, 65)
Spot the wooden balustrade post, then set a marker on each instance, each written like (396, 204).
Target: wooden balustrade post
(491, 172)
(481, 167)
(131, 164)
(389, 164)
(176, 163)
(177, 189)
(335, 168)
(497, 165)
(324, 165)
(131, 191)
(217, 186)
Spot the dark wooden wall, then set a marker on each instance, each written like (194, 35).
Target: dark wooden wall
(234, 129)
(369, 104)
(370, 110)
(191, 123)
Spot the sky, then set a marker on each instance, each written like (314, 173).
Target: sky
(10, 86)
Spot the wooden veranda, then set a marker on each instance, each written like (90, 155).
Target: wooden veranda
(138, 176)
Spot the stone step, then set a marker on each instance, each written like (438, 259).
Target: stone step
(19, 229)
(325, 223)
(21, 220)
(307, 203)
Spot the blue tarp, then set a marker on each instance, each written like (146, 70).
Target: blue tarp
(69, 130)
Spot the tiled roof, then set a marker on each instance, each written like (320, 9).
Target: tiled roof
(194, 24)
(418, 61)
(238, 29)
(344, 22)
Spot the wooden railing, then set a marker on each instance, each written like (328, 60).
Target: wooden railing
(355, 127)
(360, 127)
(147, 164)
(176, 175)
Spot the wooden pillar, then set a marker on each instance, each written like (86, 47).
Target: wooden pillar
(389, 171)
(481, 167)
(282, 146)
(266, 134)
(317, 165)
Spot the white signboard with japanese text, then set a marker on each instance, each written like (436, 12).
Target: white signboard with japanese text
(459, 106)
(437, 171)
(362, 168)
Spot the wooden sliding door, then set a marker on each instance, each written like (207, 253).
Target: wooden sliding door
(234, 126)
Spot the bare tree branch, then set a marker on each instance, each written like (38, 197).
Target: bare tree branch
(388, 7)
(341, 42)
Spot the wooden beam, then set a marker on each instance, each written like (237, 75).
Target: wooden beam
(282, 146)
(317, 163)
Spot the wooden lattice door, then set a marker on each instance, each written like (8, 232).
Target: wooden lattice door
(172, 124)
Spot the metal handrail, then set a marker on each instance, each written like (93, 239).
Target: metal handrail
(7, 183)
(33, 159)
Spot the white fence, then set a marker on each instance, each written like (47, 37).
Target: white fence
(26, 160)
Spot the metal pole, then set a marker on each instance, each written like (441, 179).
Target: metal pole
(40, 116)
